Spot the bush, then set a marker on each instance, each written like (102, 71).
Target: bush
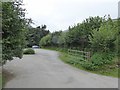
(90, 66)
(29, 51)
(98, 60)
(46, 41)
(102, 58)
(104, 38)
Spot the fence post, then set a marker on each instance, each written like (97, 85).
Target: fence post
(83, 54)
(88, 55)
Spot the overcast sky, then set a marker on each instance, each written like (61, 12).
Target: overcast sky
(59, 14)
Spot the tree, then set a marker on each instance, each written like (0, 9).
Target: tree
(46, 40)
(34, 35)
(117, 42)
(14, 26)
(55, 38)
(51, 39)
(62, 39)
(104, 39)
(77, 35)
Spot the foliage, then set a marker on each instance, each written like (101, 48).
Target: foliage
(78, 34)
(51, 39)
(46, 41)
(0, 81)
(34, 35)
(96, 34)
(102, 58)
(62, 39)
(106, 69)
(14, 26)
(118, 38)
(103, 39)
(55, 38)
(29, 51)
(89, 66)
(97, 60)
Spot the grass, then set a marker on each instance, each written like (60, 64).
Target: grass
(113, 71)
(107, 70)
(0, 81)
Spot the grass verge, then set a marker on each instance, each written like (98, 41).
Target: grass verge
(113, 71)
(0, 81)
(107, 70)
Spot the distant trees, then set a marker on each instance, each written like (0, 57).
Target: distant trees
(55, 38)
(62, 39)
(46, 41)
(101, 36)
(34, 35)
(51, 39)
(95, 33)
(77, 36)
(14, 25)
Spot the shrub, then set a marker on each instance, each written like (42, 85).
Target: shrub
(102, 58)
(98, 60)
(90, 66)
(104, 38)
(29, 51)
(46, 41)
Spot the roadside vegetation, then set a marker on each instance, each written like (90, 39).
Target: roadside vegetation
(29, 51)
(110, 69)
(34, 35)
(97, 35)
(14, 27)
(17, 33)
(0, 81)
(107, 70)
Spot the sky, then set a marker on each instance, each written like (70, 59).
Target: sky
(60, 14)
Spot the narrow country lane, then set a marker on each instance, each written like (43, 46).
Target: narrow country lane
(46, 70)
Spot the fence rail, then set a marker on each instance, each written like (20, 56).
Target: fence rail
(83, 55)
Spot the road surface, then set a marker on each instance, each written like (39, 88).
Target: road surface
(46, 70)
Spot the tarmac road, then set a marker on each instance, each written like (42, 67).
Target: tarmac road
(46, 70)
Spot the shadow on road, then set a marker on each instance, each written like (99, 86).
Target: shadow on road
(6, 76)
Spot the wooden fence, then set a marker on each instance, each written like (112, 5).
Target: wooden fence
(81, 55)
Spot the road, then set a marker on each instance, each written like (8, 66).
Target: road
(46, 70)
